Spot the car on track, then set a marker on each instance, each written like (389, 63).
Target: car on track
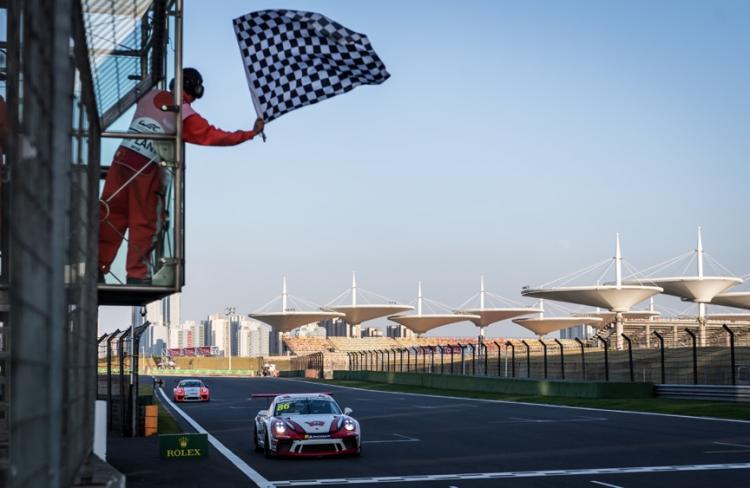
(191, 390)
(305, 425)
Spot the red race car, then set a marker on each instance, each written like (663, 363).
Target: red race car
(305, 425)
(191, 390)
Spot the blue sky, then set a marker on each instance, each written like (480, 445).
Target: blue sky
(513, 140)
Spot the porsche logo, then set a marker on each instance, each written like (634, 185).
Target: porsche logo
(315, 423)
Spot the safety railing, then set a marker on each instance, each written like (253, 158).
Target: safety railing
(551, 359)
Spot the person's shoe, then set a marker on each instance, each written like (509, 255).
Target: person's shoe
(138, 281)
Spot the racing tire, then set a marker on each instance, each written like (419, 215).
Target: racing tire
(267, 448)
(255, 440)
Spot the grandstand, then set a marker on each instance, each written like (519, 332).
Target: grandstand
(301, 346)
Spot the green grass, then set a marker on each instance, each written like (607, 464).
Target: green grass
(166, 424)
(729, 410)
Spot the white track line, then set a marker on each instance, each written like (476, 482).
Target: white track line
(518, 420)
(548, 405)
(254, 476)
(513, 474)
(404, 438)
(732, 444)
(601, 483)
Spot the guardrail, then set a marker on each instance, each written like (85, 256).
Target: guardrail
(728, 393)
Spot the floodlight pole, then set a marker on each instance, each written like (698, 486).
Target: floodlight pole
(229, 312)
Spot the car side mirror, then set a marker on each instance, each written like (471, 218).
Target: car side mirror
(348, 411)
(263, 413)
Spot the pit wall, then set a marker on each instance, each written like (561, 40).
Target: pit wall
(503, 385)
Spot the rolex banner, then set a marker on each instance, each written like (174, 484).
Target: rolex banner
(183, 446)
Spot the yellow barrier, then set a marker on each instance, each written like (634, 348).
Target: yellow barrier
(152, 420)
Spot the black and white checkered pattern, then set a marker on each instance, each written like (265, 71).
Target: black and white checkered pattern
(294, 58)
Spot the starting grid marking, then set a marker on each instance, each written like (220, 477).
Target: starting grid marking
(512, 474)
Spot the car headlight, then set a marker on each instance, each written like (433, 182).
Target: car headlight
(349, 425)
(279, 427)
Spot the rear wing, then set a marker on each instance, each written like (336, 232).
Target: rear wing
(253, 396)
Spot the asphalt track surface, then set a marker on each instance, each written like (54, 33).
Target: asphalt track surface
(418, 440)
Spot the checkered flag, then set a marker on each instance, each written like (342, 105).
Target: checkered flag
(294, 58)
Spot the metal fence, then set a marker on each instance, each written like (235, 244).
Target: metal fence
(49, 218)
(118, 379)
(555, 360)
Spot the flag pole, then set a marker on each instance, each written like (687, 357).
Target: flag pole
(256, 103)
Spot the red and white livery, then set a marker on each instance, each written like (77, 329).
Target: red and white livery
(191, 390)
(305, 425)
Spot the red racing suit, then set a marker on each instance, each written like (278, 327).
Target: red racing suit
(133, 194)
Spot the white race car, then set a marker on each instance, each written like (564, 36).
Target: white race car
(304, 425)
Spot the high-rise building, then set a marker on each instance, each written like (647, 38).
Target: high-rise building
(254, 338)
(398, 330)
(220, 334)
(336, 328)
(180, 336)
(158, 339)
(578, 332)
(197, 332)
(372, 332)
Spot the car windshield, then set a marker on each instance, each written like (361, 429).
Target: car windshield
(306, 406)
(190, 384)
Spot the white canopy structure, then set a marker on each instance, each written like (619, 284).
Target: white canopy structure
(288, 319)
(542, 326)
(421, 323)
(490, 315)
(734, 299)
(355, 313)
(700, 288)
(617, 298)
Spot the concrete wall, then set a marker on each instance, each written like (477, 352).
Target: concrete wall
(503, 385)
